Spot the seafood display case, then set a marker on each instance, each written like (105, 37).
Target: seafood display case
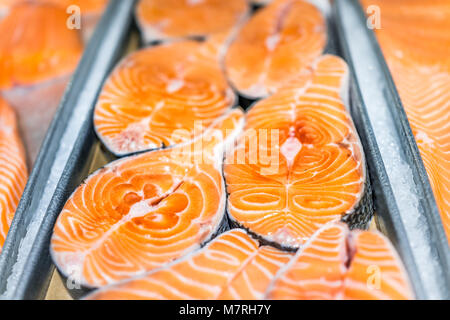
(72, 150)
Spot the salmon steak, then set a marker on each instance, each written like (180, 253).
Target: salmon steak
(142, 212)
(158, 91)
(36, 45)
(299, 163)
(13, 168)
(177, 19)
(338, 264)
(233, 266)
(38, 54)
(276, 45)
(419, 61)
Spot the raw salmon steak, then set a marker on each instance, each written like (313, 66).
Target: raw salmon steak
(232, 266)
(176, 19)
(13, 169)
(158, 91)
(90, 10)
(38, 53)
(279, 42)
(338, 264)
(142, 212)
(419, 61)
(36, 45)
(299, 163)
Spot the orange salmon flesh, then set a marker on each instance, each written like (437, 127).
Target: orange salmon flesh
(231, 267)
(142, 212)
(158, 96)
(419, 61)
(234, 267)
(176, 19)
(36, 45)
(339, 264)
(275, 46)
(311, 172)
(13, 169)
(289, 173)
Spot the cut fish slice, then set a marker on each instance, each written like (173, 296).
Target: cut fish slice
(158, 91)
(251, 282)
(142, 212)
(36, 45)
(339, 264)
(169, 19)
(419, 61)
(230, 267)
(38, 53)
(299, 163)
(13, 169)
(276, 45)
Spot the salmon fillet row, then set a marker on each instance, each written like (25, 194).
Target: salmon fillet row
(299, 163)
(145, 217)
(262, 52)
(140, 213)
(13, 168)
(158, 90)
(419, 61)
(234, 267)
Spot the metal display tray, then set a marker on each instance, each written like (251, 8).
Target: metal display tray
(115, 32)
